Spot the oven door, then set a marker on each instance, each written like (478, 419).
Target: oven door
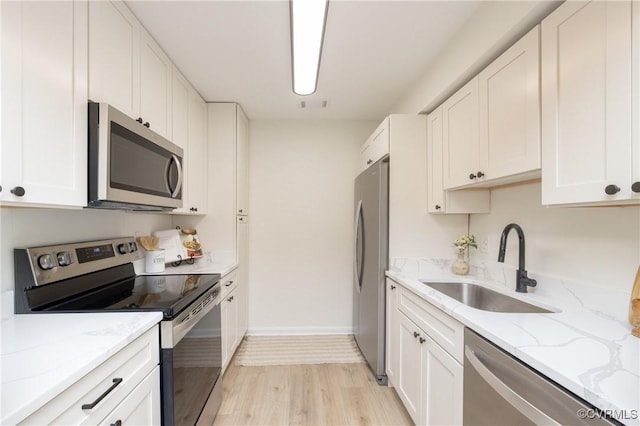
(191, 358)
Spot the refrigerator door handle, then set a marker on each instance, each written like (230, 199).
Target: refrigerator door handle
(358, 246)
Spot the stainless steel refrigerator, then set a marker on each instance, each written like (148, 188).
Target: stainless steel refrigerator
(371, 258)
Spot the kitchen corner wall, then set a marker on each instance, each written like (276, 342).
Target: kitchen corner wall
(301, 238)
(30, 227)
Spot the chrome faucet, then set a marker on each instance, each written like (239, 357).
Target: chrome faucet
(522, 281)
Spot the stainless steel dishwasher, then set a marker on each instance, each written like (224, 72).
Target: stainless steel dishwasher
(500, 390)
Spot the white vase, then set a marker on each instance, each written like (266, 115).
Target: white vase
(460, 266)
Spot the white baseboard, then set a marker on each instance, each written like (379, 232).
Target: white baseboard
(297, 331)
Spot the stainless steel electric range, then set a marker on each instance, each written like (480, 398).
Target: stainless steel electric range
(99, 276)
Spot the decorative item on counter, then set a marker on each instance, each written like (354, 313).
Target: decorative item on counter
(190, 241)
(460, 266)
(634, 306)
(154, 256)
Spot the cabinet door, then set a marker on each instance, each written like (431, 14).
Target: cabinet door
(409, 376)
(243, 275)
(586, 102)
(229, 324)
(242, 160)
(442, 378)
(180, 112)
(44, 109)
(197, 169)
(460, 136)
(439, 200)
(393, 338)
(140, 407)
(510, 110)
(155, 86)
(114, 59)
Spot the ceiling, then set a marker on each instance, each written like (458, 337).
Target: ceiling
(239, 51)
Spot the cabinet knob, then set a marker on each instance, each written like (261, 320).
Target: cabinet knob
(117, 423)
(480, 174)
(635, 187)
(422, 340)
(195, 209)
(416, 334)
(472, 176)
(612, 189)
(18, 191)
(147, 125)
(438, 207)
(0, 188)
(369, 161)
(393, 287)
(139, 120)
(239, 210)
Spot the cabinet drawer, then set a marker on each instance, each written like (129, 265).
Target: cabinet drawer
(140, 407)
(228, 283)
(443, 329)
(132, 364)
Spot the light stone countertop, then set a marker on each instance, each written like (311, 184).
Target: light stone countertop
(587, 348)
(44, 354)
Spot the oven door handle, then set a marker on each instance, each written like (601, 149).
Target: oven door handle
(173, 331)
(527, 409)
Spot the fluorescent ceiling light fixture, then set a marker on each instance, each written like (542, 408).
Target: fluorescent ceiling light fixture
(307, 31)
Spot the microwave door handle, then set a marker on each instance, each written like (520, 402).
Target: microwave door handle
(175, 191)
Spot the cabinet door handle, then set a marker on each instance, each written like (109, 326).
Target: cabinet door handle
(146, 124)
(480, 174)
(472, 176)
(422, 340)
(228, 283)
(393, 287)
(139, 120)
(229, 299)
(18, 191)
(369, 161)
(438, 207)
(117, 423)
(116, 382)
(416, 334)
(612, 189)
(635, 187)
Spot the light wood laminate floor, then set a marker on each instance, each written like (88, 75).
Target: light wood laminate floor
(313, 394)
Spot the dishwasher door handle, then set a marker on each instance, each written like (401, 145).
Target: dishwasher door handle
(512, 397)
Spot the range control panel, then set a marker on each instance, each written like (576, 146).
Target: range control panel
(63, 261)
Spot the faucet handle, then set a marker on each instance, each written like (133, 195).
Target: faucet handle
(529, 282)
(523, 281)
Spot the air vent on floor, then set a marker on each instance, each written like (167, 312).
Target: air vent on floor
(313, 104)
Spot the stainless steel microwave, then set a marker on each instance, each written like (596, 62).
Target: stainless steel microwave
(130, 166)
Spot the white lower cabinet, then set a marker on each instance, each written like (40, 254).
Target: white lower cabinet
(125, 386)
(427, 378)
(140, 407)
(232, 331)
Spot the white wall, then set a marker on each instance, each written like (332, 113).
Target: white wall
(26, 227)
(594, 245)
(301, 224)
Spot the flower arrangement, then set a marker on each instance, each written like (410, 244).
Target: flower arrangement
(465, 241)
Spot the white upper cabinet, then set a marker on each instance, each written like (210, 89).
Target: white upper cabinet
(114, 56)
(189, 131)
(44, 103)
(439, 200)
(590, 104)
(460, 133)
(509, 94)
(155, 86)
(242, 162)
(491, 126)
(376, 146)
(127, 69)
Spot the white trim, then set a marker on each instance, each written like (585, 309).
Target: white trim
(290, 331)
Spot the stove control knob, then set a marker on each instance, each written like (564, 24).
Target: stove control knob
(47, 261)
(133, 247)
(123, 248)
(64, 258)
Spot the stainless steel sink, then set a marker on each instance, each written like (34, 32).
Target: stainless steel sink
(482, 298)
